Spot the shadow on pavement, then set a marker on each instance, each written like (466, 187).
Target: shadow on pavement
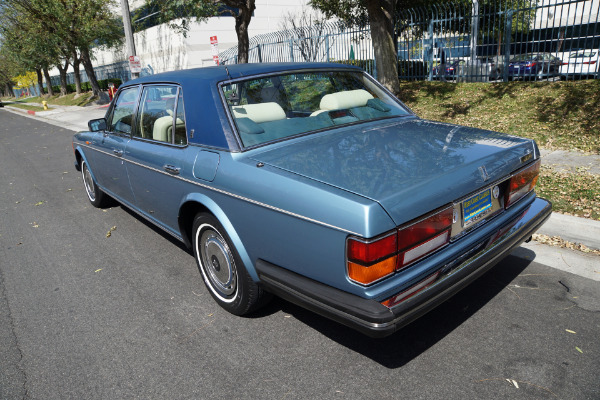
(400, 348)
(408, 343)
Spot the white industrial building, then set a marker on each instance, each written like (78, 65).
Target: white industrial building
(161, 48)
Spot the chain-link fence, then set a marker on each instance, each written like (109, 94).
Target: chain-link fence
(484, 41)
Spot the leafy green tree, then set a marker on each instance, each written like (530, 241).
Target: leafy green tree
(72, 25)
(184, 11)
(379, 14)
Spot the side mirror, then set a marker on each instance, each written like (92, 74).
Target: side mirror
(97, 125)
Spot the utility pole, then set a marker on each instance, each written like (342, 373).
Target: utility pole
(128, 34)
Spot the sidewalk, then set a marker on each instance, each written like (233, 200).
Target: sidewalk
(74, 118)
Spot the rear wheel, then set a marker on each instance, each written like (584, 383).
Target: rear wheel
(222, 269)
(96, 196)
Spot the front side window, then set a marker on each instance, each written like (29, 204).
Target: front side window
(121, 120)
(280, 106)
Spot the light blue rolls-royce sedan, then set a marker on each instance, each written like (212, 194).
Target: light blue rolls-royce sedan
(312, 182)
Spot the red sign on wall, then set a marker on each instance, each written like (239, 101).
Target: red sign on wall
(135, 64)
(214, 47)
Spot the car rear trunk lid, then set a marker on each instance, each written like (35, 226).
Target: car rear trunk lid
(410, 167)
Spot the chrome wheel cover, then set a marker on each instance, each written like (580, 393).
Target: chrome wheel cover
(216, 260)
(88, 182)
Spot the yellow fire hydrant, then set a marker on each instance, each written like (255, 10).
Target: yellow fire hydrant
(45, 104)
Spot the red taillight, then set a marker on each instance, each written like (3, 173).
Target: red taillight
(590, 62)
(372, 260)
(368, 252)
(522, 183)
(369, 261)
(531, 64)
(565, 63)
(421, 238)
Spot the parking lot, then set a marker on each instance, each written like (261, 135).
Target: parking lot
(99, 304)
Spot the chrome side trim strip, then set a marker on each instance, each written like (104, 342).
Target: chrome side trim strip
(236, 196)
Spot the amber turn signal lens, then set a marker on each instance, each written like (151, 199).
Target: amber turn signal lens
(367, 275)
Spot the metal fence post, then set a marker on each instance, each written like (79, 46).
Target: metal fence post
(327, 46)
(430, 50)
(507, 38)
(292, 50)
(259, 52)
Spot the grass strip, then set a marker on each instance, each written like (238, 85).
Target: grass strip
(558, 115)
(26, 107)
(68, 100)
(575, 194)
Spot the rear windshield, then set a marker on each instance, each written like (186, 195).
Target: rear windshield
(280, 106)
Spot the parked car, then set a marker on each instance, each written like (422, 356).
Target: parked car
(494, 67)
(313, 182)
(450, 70)
(581, 62)
(534, 66)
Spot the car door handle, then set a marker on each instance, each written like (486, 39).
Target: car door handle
(118, 152)
(172, 169)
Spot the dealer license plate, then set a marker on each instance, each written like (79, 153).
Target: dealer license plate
(476, 207)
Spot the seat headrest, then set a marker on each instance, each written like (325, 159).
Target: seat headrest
(261, 112)
(345, 99)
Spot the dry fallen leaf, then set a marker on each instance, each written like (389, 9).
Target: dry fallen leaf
(109, 233)
(570, 331)
(578, 349)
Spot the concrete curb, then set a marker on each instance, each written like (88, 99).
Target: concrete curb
(572, 261)
(574, 229)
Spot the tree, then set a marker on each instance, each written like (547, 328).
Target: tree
(308, 29)
(178, 14)
(379, 14)
(68, 26)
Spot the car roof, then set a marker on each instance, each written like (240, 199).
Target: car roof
(224, 72)
(206, 119)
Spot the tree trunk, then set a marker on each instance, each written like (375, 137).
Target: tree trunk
(381, 18)
(76, 62)
(242, 20)
(63, 77)
(89, 69)
(9, 89)
(48, 82)
(38, 71)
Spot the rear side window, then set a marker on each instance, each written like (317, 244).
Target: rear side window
(157, 113)
(121, 120)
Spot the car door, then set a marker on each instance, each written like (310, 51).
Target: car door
(158, 154)
(109, 167)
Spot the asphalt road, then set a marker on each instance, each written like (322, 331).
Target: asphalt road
(86, 316)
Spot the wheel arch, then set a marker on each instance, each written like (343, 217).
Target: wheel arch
(79, 157)
(196, 203)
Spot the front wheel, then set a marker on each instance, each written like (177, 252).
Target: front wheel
(94, 194)
(222, 270)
